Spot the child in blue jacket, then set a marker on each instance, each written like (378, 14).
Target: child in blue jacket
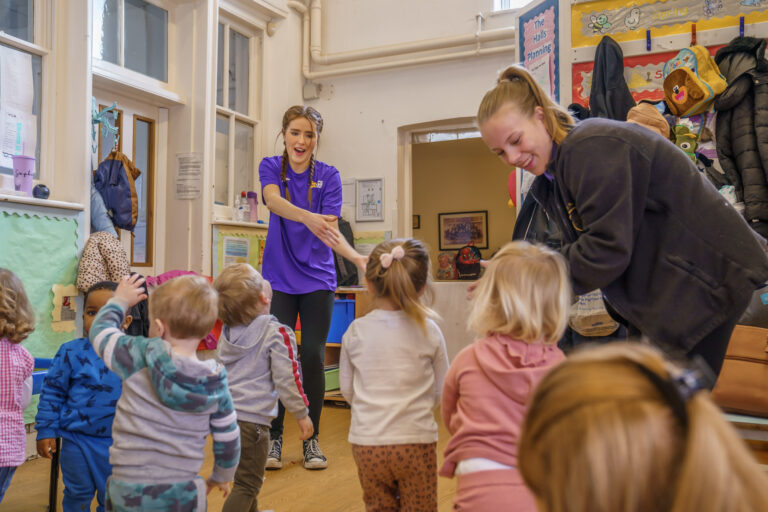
(77, 403)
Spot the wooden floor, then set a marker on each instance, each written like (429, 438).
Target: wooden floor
(291, 489)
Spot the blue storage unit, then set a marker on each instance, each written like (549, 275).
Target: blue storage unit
(343, 314)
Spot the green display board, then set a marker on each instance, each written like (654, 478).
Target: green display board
(42, 252)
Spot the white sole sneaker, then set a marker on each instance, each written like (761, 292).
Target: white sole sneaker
(274, 464)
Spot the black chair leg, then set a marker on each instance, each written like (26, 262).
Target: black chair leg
(54, 480)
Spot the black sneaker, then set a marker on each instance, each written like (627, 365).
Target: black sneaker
(313, 456)
(275, 453)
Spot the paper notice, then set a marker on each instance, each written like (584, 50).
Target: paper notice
(189, 174)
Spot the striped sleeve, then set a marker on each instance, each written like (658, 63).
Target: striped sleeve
(285, 371)
(226, 438)
(123, 354)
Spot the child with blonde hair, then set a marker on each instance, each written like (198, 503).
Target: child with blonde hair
(171, 400)
(393, 361)
(259, 354)
(618, 428)
(520, 308)
(17, 320)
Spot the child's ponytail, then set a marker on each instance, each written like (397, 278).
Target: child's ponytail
(398, 270)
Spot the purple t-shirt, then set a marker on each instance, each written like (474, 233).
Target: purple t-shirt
(295, 260)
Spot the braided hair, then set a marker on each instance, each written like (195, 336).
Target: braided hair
(314, 117)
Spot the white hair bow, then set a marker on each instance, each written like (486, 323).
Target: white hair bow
(397, 253)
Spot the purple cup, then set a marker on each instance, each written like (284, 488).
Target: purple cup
(253, 202)
(23, 173)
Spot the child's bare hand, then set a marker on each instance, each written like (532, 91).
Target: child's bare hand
(305, 424)
(130, 290)
(211, 484)
(46, 447)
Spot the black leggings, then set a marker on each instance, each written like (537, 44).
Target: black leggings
(315, 309)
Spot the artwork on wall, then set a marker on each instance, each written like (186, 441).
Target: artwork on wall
(370, 200)
(457, 229)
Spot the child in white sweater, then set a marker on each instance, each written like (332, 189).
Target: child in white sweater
(393, 362)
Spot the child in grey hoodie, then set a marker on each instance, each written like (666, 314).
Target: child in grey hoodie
(171, 400)
(259, 354)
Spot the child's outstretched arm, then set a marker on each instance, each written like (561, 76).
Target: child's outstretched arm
(285, 374)
(123, 354)
(226, 443)
(52, 398)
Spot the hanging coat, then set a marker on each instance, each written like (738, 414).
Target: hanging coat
(610, 96)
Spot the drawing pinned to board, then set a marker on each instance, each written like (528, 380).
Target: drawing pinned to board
(64, 308)
(236, 250)
(370, 200)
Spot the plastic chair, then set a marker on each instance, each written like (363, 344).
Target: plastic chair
(38, 376)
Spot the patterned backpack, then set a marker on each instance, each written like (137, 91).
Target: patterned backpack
(691, 81)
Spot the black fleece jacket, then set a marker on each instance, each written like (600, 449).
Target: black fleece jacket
(671, 255)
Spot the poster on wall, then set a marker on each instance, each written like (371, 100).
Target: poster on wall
(538, 44)
(625, 21)
(643, 74)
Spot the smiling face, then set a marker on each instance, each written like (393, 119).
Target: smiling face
(519, 140)
(300, 141)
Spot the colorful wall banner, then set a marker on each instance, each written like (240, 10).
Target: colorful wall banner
(627, 21)
(538, 43)
(643, 74)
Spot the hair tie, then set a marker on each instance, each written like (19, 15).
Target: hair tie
(387, 258)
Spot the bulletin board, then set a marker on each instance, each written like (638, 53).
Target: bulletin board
(538, 43)
(643, 74)
(235, 244)
(42, 251)
(628, 21)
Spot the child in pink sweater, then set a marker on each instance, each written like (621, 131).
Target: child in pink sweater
(16, 365)
(520, 307)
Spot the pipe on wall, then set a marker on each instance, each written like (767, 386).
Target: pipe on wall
(312, 47)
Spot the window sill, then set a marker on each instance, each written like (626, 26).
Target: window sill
(130, 83)
(227, 222)
(46, 203)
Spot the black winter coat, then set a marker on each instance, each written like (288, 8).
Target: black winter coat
(609, 96)
(742, 126)
(670, 254)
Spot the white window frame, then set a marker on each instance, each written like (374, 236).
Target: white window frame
(255, 54)
(142, 81)
(42, 38)
(502, 5)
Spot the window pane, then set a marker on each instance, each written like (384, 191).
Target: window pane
(243, 157)
(20, 114)
(146, 44)
(221, 179)
(238, 72)
(17, 19)
(220, 67)
(142, 158)
(106, 30)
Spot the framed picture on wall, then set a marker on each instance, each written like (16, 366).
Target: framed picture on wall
(370, 200)
(457, 229)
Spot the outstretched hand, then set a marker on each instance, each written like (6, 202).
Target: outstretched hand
(130, 290)
(212, 484)
(322, 226)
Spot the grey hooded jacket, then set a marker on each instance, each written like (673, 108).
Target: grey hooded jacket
(262, 365)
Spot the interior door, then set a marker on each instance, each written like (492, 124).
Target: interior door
(137, 138)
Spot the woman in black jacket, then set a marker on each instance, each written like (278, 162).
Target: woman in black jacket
(638, 221)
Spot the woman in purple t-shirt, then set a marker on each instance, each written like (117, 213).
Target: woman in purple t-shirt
(304, 198)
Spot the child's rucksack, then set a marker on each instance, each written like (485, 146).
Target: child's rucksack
(691, 81)
(115, 180)
(468, 262)
(346, 271)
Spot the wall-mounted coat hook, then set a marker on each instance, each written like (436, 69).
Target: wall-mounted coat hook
(648, 40)
(741, 26)
(693, 34)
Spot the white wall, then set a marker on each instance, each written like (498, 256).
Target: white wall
(363, 112)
